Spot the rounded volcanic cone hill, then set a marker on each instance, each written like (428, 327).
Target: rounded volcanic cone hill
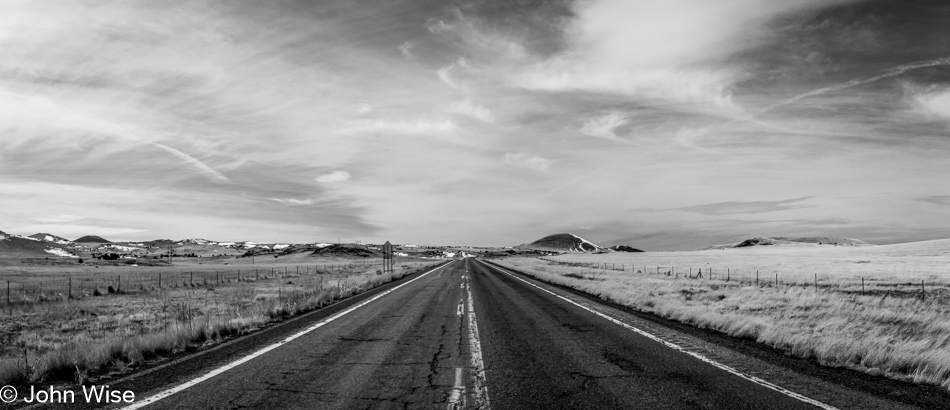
(565, 242)
(624, 248)
(92, 239)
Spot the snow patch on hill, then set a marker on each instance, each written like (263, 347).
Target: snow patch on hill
(61, 252)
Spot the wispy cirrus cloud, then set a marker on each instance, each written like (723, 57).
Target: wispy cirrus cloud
(415, 127)
(605, 126)
(936, 199)
(525, 160)
(376, 120)
(334, 177)
(749, 207)
(468, 108)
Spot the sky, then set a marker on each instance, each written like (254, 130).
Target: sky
(660, 124)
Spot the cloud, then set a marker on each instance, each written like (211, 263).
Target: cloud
(888, 73)
(63, 218)
(333, 177)
(294, 201)
(399, 127)
(364, 108)
(445, 74)
(205, 169)
(752, 207)
(72, 231)
(468, 108)
(655, 49)
(936, 199)
(603, 127)
(406, 50)
(529, 161)
(935, 102)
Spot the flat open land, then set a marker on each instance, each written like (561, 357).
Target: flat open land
(879, 309)
(76, 323)
(471, 334)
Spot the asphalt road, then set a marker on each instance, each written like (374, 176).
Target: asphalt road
(470, 335)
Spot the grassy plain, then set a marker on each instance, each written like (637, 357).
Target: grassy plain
(47, 337)
(892, 326)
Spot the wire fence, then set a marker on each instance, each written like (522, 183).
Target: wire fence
(857, 285)
(67, 286)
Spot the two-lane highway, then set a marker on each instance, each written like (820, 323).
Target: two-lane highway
(542, 352)
(408, 348)
(473, 335)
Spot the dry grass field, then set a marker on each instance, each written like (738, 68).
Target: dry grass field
(108, 328)
(890, 326)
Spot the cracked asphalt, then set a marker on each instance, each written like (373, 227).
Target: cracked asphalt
(410, 349)
(399, 351)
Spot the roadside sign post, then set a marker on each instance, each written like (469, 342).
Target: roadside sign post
(387, 257)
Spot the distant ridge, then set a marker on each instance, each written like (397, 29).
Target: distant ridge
(624, 248)
(48, 237)
(565, 242)
(92, 239)
(25, 246)
(814, 240)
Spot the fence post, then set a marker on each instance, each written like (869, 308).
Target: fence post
(816, 282)
(776, 279)
(191, 278)
(756, 277)
(923, 293)
(69, 293)
(159, 280)
(728, 273)
(862, 285)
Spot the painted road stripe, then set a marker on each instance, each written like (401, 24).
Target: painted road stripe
(457, 389)
(479, 380)
(677, 347)
(164, 394)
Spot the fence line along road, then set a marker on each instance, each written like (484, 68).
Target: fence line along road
(69, 286)
(761, 280)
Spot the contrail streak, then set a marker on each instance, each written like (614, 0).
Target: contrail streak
(189, 159)
(891, 72)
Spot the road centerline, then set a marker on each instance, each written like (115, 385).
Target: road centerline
(679, 348)
(479, 381)
(221, 369)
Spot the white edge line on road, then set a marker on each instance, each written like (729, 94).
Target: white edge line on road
(166, 393)
(479, 380)
(681, 349)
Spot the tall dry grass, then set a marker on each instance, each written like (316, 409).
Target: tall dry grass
(81, 340)
(890, 333)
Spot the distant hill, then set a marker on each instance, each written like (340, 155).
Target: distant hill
(48, 237)
(624, 248)
(815, 240)
(25, 246)
(348, 250)
(566, 242)
(92, 239)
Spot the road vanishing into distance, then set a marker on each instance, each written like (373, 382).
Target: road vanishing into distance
(469, 334)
